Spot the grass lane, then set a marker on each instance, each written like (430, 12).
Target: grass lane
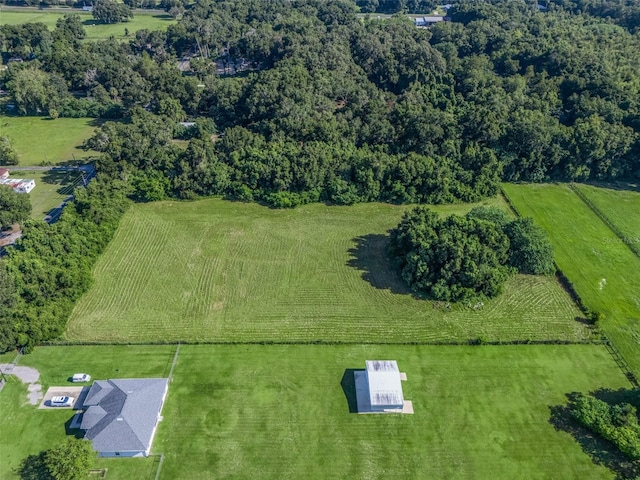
(605, 273)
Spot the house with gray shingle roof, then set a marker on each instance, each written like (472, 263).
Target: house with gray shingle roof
(121, 416)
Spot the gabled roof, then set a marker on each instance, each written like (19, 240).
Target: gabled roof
(121, 415)
(385, 387)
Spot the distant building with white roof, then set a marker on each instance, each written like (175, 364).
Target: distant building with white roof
(19, 185)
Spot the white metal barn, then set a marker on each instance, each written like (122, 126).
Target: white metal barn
(385, 386)
(379, 388)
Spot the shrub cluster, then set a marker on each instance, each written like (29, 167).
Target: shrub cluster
(617, 423)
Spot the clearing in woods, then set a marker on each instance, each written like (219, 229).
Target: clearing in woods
(605, 272)
(93, 29)
(58, 141)
(214, 270)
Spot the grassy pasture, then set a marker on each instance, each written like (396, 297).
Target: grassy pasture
(284, 411)
(214, 270)
(39, 139)
(586, 252)
(95, 31)
(621, 207)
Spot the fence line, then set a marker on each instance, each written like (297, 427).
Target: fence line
(634, 249)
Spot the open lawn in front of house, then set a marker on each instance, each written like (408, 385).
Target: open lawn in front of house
(40, 140)
(283, 411)
(27, 430)
(94, 29)
(606, 274)
(214, 270)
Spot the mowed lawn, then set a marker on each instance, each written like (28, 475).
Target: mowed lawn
(283, 411)
(94, 30)
(40, 139)
(214, 270)
(620, 207)
(25, 430)
(605, 272)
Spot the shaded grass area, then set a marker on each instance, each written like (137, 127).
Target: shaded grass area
(606, 274)
(94, 30)
(39, 139)
(214, 270)
(284, 412)
(600, 450)
(52, 187)
(25, 430)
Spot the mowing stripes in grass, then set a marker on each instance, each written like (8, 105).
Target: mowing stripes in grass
(605, 273)
(220, 271)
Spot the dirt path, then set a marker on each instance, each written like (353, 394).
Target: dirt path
(27, 375)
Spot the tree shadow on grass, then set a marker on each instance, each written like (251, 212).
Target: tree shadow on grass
(601, 451)
(369, 255)
(33, 468)
(348, 384)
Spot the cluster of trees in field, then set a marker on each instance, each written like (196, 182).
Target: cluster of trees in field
(49, 268)
(616, 422)
(462, 258)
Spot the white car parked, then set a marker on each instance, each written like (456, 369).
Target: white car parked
(81, 377)
(62, 401)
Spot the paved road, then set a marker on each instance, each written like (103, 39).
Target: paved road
(60, 168)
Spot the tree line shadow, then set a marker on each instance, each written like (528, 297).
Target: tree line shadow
(601, 451)
(369, 256)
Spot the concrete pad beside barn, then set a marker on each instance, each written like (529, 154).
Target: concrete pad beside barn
(76, 392)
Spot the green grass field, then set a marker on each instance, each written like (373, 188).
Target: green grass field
(51, 189)
(283, 411)
(95, 31)
(214, 270)
(39, 139)
(621, 207)
(605, 273)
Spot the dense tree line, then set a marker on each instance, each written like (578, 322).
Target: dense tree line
(461, 258)
(523, 94)
(49, 268)
(14, 207)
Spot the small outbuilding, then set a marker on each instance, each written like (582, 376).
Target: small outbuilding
(4, 173)
(379, 388)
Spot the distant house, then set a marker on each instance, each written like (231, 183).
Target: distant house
(379, 388)
(121, 416)
(428, 21)
(4, 173)
(19, 185)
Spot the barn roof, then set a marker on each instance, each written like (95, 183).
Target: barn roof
(385, 386)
